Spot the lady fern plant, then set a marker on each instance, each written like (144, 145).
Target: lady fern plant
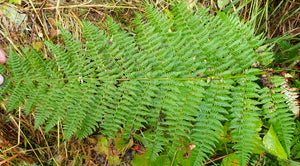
(181, 78)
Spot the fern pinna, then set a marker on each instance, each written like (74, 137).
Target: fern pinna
(181, 78)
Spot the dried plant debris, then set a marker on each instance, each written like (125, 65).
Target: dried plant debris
(291, 95)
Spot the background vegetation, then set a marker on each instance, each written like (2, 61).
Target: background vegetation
(29, 23)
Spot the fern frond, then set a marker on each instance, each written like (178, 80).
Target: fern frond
(245, 118)
(21, 72)
(180, 79)
(209, 120)
(277, 112)
(6, 85)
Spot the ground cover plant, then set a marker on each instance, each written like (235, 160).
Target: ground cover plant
(182, 85)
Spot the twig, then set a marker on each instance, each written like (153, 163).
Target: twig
(8, 159)
(11, 42)
(89, 6)
(175, 154)
(34, 19)
(38, 17)
(218, 158)
(11, 117)
(48, 147)
(259, 160)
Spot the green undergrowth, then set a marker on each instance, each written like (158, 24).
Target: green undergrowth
(184, 85)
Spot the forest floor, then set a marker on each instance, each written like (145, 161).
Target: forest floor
(29, 23)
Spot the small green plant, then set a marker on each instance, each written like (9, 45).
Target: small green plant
(181, 81)
(295, 150)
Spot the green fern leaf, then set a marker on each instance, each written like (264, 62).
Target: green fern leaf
(176, 81)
